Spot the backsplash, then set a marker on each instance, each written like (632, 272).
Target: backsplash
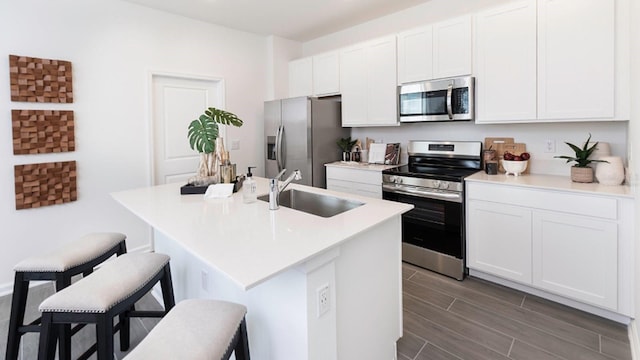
(535, 136)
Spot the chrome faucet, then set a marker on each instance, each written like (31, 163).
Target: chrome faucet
(275, 189)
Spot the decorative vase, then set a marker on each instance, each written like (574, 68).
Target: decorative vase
(582, 174)
(346, 156)
(602, 149)
(610, 172)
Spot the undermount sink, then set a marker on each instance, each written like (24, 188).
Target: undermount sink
(312, 203)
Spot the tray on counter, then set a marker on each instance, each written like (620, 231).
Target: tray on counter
(190, 189)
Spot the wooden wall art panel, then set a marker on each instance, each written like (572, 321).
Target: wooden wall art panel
(42, 131)
(45, 184)
(40, 80)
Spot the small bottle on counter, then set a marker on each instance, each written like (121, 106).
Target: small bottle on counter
(249, 188)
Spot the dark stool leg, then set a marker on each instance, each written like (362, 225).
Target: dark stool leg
(167, 289)
(125, 323)
(104, 337)
(242, 347)
(18, 306)
(64, 331)
(48, 336)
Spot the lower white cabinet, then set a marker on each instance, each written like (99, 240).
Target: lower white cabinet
(569, 244)
(355, 181)
(501, 239)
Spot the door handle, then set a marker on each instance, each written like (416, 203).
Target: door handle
(279, 147)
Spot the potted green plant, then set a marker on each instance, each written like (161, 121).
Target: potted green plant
(203, 133)
(346, 144)
(581, 171)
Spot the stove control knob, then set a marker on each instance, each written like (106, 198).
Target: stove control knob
(444, 185)
(436, 184)
(392, 178)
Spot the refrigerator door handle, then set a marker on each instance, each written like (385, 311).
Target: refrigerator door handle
(279, 147)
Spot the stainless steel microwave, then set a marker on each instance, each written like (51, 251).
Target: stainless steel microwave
(437, 100)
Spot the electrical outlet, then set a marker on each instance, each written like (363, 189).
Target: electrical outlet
(324, 302)
(235, 144)
(550, 146)
(204, 280)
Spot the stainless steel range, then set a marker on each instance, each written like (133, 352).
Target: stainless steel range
(433, 181)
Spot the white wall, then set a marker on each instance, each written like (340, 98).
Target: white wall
(533, 135)
(113, 45)
(634, 162)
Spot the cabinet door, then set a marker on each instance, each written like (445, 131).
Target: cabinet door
(353, 86)
(301, 77)
(499, 240)
(415, 55)
(575, 59)
(576, 256)
(505, 63)
(452, 47)
(382, 82)
(326, 73)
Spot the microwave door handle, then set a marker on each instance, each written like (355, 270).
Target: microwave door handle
(279, 147)
(449, 108)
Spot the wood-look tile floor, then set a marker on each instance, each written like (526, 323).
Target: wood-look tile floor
(475, 319)
(443, 319)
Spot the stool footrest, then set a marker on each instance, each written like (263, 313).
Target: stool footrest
(29, 328)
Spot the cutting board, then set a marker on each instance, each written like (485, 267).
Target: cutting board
(502, 144)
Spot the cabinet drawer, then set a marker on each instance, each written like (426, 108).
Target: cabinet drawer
(573, 203)
(369, 190)
(355, 175)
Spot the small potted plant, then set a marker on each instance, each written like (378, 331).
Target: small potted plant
(346, 144)
(581, 171)
(203, 133)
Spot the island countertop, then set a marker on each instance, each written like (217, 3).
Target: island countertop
(248, 242)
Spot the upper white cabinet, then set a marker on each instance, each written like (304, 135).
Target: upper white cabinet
(436, 51)
(576, 59)
(326, 73)
(415, 55)
(368, 83)
(452, 47)
(505, 63)
(545, 60)
(301, 77)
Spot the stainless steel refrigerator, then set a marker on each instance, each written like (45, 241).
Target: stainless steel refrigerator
(301, 133)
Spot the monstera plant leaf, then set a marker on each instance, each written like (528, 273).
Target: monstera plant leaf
(203, 131)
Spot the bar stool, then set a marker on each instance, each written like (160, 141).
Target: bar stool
(197, 329)
(78, 257)
(110, 291)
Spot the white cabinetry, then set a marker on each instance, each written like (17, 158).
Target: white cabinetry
(326, 73)
(368, 83)
(568, 244)
(436, 51)
(301, 77)
(501, 239)
(575, 59)
(505, 63)
(355, 181)
(452, 47)
(545, 60)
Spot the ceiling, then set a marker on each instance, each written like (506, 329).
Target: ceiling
(299, 20)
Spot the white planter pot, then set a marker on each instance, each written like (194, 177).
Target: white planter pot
(611, 172)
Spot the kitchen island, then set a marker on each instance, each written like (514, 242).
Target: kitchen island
(280, 263)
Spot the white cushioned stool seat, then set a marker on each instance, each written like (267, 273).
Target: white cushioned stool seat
(111, 291)
(194, 329)
(115, 281)
(79, 257)
(73, 254)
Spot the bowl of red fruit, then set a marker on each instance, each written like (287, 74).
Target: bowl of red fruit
(515, 164)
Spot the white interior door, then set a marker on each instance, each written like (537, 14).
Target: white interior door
(176, 101)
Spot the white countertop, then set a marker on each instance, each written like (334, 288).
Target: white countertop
(553, 182)
(361, 166)
(248, 242)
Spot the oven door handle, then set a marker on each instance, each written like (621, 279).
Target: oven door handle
(446, 196)
(449, 106)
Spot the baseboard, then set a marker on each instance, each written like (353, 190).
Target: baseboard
(7, 288)
(634, 339)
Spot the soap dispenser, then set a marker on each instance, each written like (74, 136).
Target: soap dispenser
(249, 187)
